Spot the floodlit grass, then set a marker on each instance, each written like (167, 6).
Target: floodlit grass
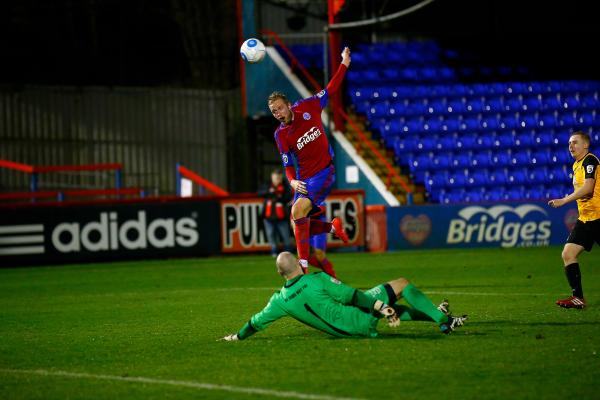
(160, 320)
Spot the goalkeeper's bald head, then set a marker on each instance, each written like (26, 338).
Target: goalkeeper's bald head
(287, 265)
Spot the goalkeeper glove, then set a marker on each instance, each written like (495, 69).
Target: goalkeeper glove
(231, 338)
(388, 312)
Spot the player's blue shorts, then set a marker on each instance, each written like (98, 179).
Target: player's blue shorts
(318, 187)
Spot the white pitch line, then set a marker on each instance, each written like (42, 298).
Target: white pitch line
(189, 384)
(486, 294)
(424, 291)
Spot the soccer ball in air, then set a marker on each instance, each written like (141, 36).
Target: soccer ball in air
(253, 50)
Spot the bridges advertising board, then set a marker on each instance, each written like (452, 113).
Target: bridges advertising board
(493, 225)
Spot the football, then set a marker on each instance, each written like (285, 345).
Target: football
(253, 50)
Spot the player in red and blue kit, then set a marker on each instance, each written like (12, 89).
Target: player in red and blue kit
(301, 138)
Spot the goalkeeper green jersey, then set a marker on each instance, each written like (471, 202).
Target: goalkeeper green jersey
(322, 302)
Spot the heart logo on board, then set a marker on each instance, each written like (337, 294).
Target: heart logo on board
(415, 229)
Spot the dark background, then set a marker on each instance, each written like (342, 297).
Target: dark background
(194, 43)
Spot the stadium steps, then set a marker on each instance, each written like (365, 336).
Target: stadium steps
(378, 166)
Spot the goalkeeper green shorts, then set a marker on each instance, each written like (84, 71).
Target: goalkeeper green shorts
(380, 292)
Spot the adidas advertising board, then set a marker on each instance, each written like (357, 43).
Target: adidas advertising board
(490, 225)
(45, 235)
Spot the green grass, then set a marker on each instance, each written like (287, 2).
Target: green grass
(162, 319)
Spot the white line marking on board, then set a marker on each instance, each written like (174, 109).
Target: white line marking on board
(189, 384)
(21, 228)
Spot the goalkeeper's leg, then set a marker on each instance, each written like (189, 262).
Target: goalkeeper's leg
(417, 300)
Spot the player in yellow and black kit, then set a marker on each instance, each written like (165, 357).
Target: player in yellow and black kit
(587, 228)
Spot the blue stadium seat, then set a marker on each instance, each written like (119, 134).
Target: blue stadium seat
(497, 178)
(425, 144)
(503, 140)
(457, 179)
(379, 109)
(540, 157)
(452, 197)
(551, 103)
(517, 177)
(437, 181)
(535, 193)
(450, 125)
(558, 175)
(391, 75)
(481, 159)
(461, 160)
(455, 106)
(421, 162)
(532, 103)
(516, 193)
(404, 146)
(484, 141)
(501, 158)
(490, 123)
(478, 178)
(512, 104)
(523, 139)
(493, 194)
(441, 161)
(466, 141)
(520, 158)
(445, 143)
(543, 138)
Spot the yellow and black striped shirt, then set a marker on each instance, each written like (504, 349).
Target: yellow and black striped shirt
(586, 168)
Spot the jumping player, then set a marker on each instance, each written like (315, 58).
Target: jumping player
(301, 137)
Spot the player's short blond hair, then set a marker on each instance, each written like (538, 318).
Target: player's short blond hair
(277, 95)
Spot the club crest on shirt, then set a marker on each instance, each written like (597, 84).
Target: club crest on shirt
(589, 169)
(321, 93)
(284, 158)
(306, 116)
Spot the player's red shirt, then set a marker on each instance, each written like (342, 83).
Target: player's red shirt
(304, 138)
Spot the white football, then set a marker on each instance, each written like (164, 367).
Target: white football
(253, 50)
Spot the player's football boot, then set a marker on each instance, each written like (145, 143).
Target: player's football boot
(571, 302)
(444, 307)
(339, 229)
(452, 323)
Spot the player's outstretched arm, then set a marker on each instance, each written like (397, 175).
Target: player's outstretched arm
(337, 79)
(271, 313)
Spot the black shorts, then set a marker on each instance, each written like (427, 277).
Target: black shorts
(585, 234)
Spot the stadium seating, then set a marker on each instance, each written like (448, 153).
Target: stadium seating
(469, 142)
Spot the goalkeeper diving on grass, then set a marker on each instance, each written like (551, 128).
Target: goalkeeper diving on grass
(324, 303)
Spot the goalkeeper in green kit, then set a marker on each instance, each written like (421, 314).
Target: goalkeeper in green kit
(324, 303)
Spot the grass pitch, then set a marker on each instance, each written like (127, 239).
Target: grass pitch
(149, 330)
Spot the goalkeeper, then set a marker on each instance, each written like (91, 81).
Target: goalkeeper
(322, 302)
